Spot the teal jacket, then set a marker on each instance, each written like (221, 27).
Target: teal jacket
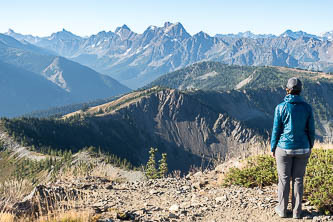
(293, 126)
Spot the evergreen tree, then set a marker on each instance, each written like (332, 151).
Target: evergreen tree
(151, 168)
(151, 171)
(163, 166)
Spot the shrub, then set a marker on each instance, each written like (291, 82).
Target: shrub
(318, 182)
(318, 186)
(2, 146)
(259, 171)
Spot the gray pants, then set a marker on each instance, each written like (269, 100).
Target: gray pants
(290, 166)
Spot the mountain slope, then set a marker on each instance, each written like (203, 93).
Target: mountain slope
(189, 131)
(78, 83)
(219, 76)
(137, 59)
(82, 82)
(318, 86)
(22, 91)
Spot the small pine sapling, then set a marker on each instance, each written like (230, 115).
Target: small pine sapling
(151, 171)
(163, 166)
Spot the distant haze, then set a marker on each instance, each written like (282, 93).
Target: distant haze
(86, 17)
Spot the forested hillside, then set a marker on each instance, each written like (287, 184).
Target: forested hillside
(252, 81)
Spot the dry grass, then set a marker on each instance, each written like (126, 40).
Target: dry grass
(15, 189)
(119, 103)
(297, 70)
(7, 217)
(55, 208)
(68, 216)
(96, 169)
(64, 216)
(325, 146)
(62, 209)
(323, 76)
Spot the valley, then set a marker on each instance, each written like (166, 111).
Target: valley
(34, 79)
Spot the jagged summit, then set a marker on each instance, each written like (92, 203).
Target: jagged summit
(167, 24)
(152, 27)
(176, 30)
(328, 35)
(10, 31)
(297, 34)
(125, 32)
(64, 35)
(201, 34)
(123, 27)
(20, 37)
(103, 34)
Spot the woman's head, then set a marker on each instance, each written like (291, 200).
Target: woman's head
(294, 86)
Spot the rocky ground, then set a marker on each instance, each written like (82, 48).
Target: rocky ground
(197, 197)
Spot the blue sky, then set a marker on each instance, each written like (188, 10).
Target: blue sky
(84, 17)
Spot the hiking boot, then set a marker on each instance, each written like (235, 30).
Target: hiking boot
(280, 213)
(297, 216)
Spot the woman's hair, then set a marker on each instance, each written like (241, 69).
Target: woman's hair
(293, 92)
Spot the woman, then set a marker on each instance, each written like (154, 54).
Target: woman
(292, 139)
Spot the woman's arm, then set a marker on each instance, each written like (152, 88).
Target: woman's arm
(277, 129)
(311, 128)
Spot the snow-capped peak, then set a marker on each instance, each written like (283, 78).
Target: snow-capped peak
(152, 27)
(124, 27)
(296, 35)
(176, 30)
(124, 32)
(328, 35)
(10, 31)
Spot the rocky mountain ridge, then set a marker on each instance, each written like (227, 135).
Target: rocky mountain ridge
(196, 197)
(189, 121)
(262, 86)
(136, 59)
(189, 129)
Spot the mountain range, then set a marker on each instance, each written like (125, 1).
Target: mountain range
(196, 114)
(33, 78)
(137, 59)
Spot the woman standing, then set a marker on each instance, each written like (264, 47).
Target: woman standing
(292, 139)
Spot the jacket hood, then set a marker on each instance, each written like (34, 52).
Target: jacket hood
(293, 99)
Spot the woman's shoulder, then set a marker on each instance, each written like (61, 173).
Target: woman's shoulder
(281, 105)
